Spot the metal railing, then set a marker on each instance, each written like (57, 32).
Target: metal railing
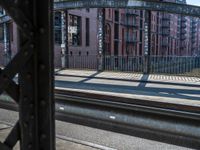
(82, 61)
(124, 63)
(176, 65)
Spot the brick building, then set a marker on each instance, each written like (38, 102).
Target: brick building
(171, 35)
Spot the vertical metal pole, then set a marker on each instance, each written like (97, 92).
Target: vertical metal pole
(147, 40)
(5, 43)
(66, 40)
(36, 79)
(100, 17)
(64, 46)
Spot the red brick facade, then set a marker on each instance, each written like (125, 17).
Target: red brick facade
(171, 34)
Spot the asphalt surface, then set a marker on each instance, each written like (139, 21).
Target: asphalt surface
(96, 136)
(141, 90)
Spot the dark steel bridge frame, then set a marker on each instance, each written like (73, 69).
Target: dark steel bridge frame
(34, 63)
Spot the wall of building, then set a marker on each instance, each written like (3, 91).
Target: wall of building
(171, 34)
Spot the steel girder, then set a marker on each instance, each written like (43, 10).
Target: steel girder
(34, 63)
(136, 4)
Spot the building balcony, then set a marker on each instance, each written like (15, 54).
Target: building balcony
(193, 37)
(132, 25)
(183, 37)
(165, 44)
(183, 32)
(183, 25)
(194, 22)
(183, 19)
(193, 41)
(165, 26)
(166, 18)
(165, 33)
(194, 25)
(131, 13)
(131, 40)
(194, 31)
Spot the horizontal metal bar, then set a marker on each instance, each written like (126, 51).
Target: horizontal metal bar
(159, 108)
(18, 16)
(172, 130)
(13, 136)
(12, 90)
(132, 101)
(128, 106)
(4, 147)
(15, 65)
(136, 4)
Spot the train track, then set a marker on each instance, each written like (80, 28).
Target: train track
(165, 122)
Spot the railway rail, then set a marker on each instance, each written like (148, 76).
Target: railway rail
(170, 123)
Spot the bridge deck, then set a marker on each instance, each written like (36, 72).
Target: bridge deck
(169, 89)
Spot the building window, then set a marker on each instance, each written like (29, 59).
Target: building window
(116, 16)
(74, 30)
(116, 34)
(87, 33)
(109, 13)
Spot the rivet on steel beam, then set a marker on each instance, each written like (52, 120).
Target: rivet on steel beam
(25, 25)
(42, 103)
(25, 99)
(42, 66)
(42, 30)
(28, 76)
(43, 136)
(32, 45)
(31, 33)
(25, 124)
(26, 2)
(32, 117)
(31, 105)
(5, 77)
(26, 53)
(30, 146)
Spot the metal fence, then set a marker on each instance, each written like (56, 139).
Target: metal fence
(155, 64)
(124, 63)
(174, 64)
(82, 62)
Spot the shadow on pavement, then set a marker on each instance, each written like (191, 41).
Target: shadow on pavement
(126, 89)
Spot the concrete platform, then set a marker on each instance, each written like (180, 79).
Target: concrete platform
(159, 88)
(185, 80)
(62, 142)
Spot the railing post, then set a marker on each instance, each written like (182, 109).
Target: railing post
(7, 48)
(147, 44)
(101, 17)
(64, 39)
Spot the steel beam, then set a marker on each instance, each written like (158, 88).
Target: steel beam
(36, 109)
(136, 4)
(127, 119)
(34, 63)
